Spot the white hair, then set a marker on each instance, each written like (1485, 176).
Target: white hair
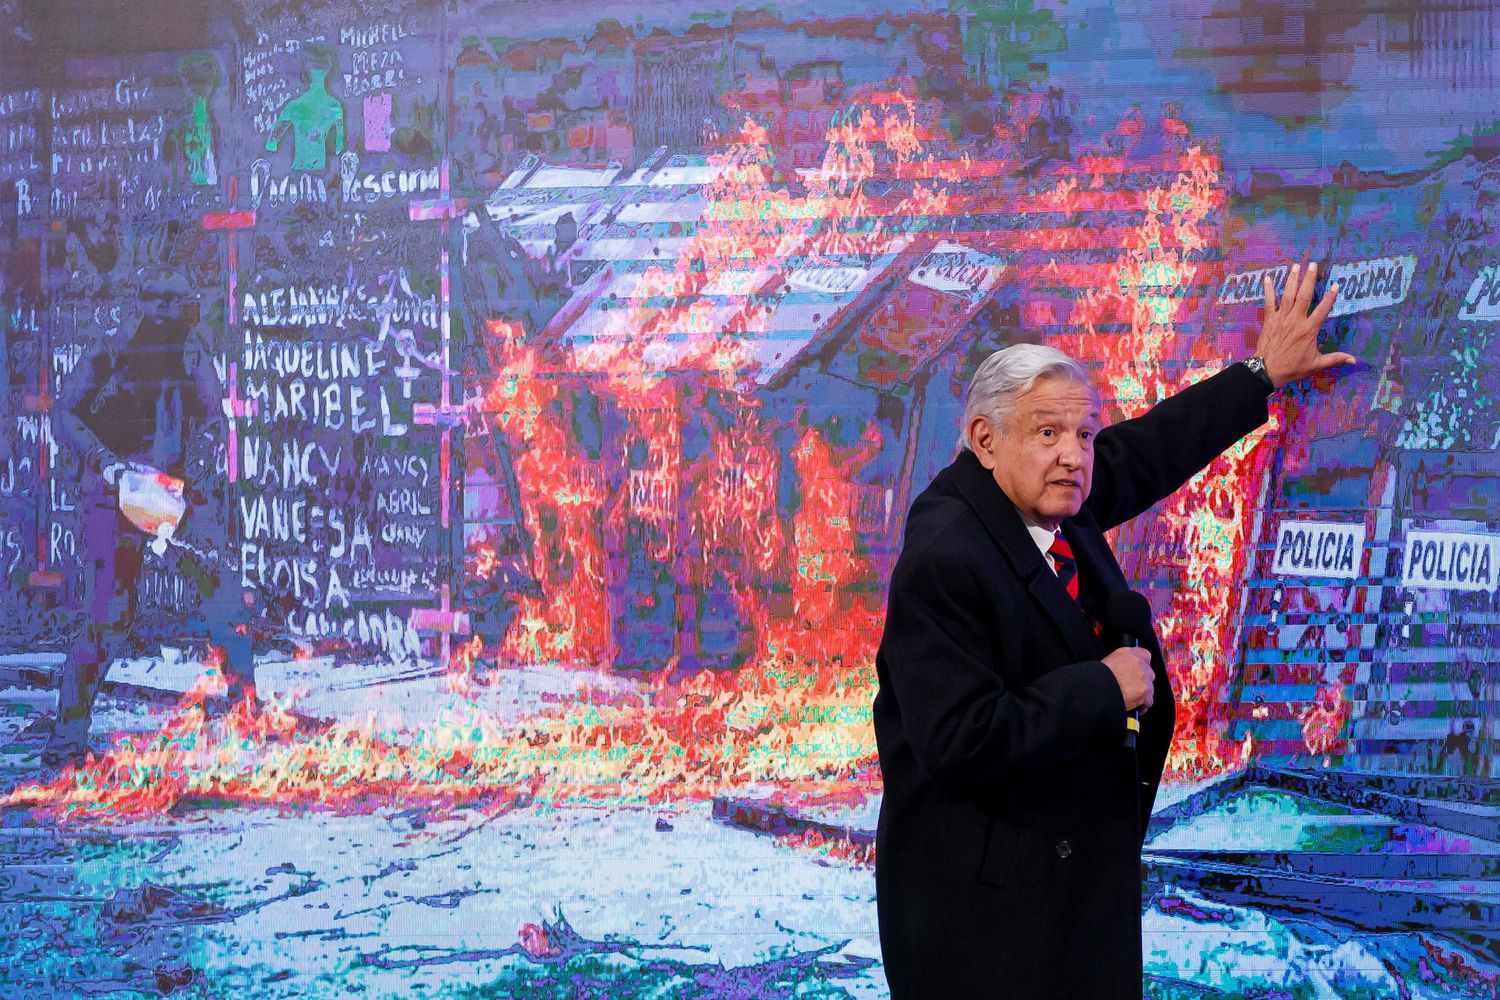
(1007, 374)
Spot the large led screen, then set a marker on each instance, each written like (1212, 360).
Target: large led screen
(453, 455)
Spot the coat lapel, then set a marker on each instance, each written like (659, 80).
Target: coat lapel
(1003, 523)
(1097, 568)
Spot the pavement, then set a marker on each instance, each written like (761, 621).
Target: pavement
(1259, 883)
(219, 899)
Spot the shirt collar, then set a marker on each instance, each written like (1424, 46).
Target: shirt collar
(1041, 536)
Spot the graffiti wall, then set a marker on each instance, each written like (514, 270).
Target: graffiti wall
(452, 457)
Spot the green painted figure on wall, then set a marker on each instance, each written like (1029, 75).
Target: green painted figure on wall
(202, 74)
(315, 117)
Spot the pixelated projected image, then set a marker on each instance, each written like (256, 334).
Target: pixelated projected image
(453, 457)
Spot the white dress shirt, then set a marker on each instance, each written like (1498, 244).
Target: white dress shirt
(1043, 538)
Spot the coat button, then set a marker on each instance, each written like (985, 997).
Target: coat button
(1064, 849)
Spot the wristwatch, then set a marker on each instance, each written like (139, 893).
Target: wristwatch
(1257, 364)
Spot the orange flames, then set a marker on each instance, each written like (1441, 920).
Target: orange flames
(827, 625)
(1202, 529)
(673, 355)
(1323, 721)
(561, 492)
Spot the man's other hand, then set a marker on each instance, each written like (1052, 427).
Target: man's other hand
(1131, 666)
(1289, 334)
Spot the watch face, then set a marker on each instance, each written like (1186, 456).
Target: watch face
(1256, 364)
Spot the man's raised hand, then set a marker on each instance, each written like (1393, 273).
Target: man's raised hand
(1289, 333)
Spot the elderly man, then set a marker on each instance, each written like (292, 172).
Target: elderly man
(1008, 850)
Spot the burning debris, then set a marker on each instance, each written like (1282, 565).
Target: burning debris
(673, 356)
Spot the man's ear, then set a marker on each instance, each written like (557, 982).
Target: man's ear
(982, 440)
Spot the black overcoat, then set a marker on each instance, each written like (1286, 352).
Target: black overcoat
(1008, 850)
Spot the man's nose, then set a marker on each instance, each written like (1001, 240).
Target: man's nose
(1071, 453)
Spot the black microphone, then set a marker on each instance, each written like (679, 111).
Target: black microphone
(1127, 614)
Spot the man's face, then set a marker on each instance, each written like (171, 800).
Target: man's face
(1043, 458)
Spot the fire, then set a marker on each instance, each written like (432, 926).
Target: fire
(749, 228)
(734, 523)
(561, 495)
(460, 673)
(485, 561)
(859, 855)
(671, 363)
(1323, 721)
(826, 560)
(1201, 528)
